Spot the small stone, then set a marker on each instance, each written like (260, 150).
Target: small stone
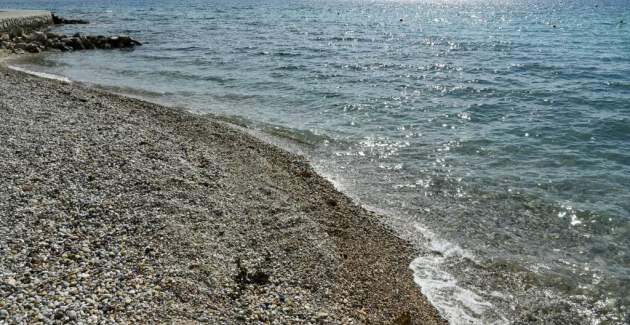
(53, 35)
(59, 314)
(321, 315)
(72, 314)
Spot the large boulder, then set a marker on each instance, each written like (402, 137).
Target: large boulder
(39, 36)
(59, 45)
(20, 46)
(87, 43)
(53, 35)
(32, 48)
(16, 33)
(74, 42)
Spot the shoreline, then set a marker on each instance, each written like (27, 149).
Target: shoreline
(206, 213)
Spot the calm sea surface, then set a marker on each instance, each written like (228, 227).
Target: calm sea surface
(494, 134)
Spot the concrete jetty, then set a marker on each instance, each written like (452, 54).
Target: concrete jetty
(12, 20)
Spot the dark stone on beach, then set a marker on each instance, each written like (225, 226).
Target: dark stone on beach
(59, 314)
(259, 278)
(243, 277)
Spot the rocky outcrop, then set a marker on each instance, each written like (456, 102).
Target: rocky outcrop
(38, 41)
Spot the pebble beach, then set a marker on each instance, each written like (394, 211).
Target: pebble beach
(116, 210)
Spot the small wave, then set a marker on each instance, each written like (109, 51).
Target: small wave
(129, 91)
(286, 54)
(41, 74)
(456, 304)
(290, 67)
(303, 137)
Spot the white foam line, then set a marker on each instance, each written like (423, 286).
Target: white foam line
(456, 304)
(41, 74)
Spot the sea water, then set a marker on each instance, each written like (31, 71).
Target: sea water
(494, 135)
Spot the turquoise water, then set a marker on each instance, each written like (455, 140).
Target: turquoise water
(494, 134)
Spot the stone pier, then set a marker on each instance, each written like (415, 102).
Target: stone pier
(27, 20)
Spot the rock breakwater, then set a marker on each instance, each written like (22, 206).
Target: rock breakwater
(11, 21)
(20, 42)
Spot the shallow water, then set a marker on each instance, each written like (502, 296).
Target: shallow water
(497, 142)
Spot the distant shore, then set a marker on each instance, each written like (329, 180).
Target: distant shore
(115, 209)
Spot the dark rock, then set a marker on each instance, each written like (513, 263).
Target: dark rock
(38, 37)
(53, 35)
(32, 48)
(75, 43)
(60, 46)
(259, 277)
(59, 314)
(20, 46)
(243, 277)
(114, 41)
(125, 41)
(87, 43)
(60, 20)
